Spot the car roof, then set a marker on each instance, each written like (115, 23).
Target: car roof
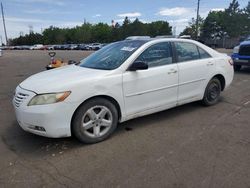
(163, 39)
(158, 40)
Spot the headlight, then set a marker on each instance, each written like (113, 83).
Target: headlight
(49, 98)
(236, 49)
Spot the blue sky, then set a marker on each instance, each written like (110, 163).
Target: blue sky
(40, 14)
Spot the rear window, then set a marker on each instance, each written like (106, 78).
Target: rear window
(203, 54)
(186, 51)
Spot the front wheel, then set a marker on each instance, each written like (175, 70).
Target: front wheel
(95, 121)
(212, 92)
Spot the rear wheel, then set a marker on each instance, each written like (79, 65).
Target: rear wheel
(95, 121)
(237, 67)
(212, 92)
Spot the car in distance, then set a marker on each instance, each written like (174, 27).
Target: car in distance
(95, 46)
(37, 47)
(241, 55)
(121, 81)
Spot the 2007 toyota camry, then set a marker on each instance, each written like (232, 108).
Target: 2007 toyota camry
(123, 80)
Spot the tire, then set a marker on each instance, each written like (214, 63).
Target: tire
(94, 121)
(212, 92)
(237, 67)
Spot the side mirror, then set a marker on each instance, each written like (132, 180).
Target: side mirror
(138, 65)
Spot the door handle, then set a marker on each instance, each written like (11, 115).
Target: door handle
(210, 64)
(172, 71)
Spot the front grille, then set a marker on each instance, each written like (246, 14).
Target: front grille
(244, 50)
(19, 98)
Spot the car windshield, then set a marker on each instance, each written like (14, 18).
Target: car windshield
(112, 56)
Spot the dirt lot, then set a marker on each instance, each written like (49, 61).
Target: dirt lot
(188, 146)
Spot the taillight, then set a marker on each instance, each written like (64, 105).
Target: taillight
(231, 62)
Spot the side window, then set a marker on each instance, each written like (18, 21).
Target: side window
(203, 54)
(157, 55)
(186, 51)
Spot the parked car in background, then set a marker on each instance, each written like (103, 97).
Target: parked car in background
(23, 47)
(50, 47)
(73, 46)
(241, 55)
(16, 47)
(37, 47)
(84, 47)
(95, 46)
(57, 47)
(121, 81)
(67, 46)
(76, 47)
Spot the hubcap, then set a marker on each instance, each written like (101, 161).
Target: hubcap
(97, 121)
(213, 92)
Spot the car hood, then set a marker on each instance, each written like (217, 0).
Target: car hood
(61, 79)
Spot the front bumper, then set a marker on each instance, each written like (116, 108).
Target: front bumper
(51, 120)
(241, 60)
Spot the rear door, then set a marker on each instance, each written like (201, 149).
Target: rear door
(195, 67)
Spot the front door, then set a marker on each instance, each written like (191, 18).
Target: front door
(155, 87)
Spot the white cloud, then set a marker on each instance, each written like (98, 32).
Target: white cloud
(97, 15)
(177, 11)
(179, 24)
(129, 14)
(179, 21)
(217, 9)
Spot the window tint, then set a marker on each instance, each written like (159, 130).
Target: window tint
(157, 55)
(203, 54)
(186, 51)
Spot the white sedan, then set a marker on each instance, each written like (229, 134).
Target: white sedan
(122, 81)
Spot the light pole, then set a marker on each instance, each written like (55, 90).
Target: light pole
(197, 20)
(6, 38)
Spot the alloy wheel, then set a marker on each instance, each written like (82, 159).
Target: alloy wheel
(97, 121)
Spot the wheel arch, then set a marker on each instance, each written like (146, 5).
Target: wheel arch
(109, 98)
(222, 80)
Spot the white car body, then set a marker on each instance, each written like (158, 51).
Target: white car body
(137, 93)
